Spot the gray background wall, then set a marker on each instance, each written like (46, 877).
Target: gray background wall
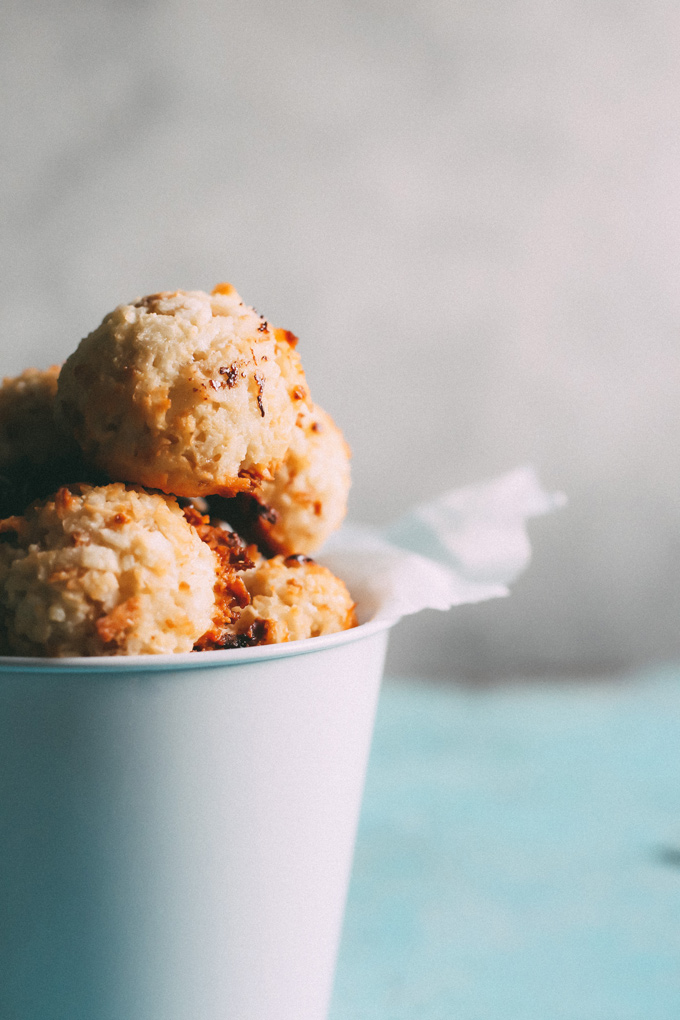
(468, 212)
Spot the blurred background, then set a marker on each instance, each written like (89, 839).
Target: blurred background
(467, 212)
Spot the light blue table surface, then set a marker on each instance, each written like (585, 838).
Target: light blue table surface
(518, 855)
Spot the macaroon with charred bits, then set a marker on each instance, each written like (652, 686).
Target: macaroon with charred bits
(179, 403)
(306, 501)
(233, 556)
(291, 598)
(188, 392)
(108, 570)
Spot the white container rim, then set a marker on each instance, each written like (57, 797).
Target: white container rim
(191, 660)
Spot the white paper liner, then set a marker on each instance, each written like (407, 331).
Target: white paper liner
(466, 546)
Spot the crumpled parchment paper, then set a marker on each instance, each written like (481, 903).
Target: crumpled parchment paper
(466, 546)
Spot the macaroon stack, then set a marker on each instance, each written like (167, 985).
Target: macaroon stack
(163, 490)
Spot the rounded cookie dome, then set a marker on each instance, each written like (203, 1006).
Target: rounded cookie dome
(29, 431)
(308, 493)
(292, 599)
(187, 392)
(106, 570)
(306, 500)
(37, 452)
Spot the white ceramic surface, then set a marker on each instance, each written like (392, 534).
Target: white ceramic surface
(176, 834)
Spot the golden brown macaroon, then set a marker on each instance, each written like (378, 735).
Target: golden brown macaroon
(28, 430)
(306, 501)
(292, 598)
(233, 556)
(37, 453)
(107, 570)
(188, 392)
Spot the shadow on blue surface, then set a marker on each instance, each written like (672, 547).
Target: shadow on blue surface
(518, 855)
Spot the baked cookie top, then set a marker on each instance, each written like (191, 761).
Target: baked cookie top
(184, 391)
(107, 570)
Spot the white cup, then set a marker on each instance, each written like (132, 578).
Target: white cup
(176, 832)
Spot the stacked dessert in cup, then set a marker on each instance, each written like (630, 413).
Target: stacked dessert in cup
(162, 491)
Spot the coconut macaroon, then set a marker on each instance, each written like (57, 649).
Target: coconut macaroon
(107, 570)
(308, 494)
(37, 453)
(187, 392)
(28, 429)
(291, 599)
(307, 498)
